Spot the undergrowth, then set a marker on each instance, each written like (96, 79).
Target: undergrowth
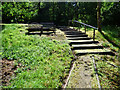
(42, 62)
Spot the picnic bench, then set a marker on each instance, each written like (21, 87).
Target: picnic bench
(41, 27)
(48, 26)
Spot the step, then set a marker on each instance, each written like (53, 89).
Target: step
(48, 29)
(82, 42)
(81, 35)
(93, 51)
(79, 38)
(86, 46)
(33, 33)
(38, 29)
(33, 29)
(47, 33)
(66, 29)
(73, 33)
(39, 33)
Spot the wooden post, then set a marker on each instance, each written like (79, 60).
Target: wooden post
(68, 23)
(79, 27)
(53, 12)
(94, 35)
(73, 25)
(54, 29)
(85, 29)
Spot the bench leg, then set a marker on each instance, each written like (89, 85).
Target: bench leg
(41, 31)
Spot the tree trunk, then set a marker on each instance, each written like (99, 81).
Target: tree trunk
(53, 12)
(39, 8)
(98, 16)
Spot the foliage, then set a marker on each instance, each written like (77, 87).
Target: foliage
(42, 62)
(60, 12)
(18, 11)
(110, 13)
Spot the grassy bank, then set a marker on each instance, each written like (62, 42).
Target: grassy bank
(41, 61)
(113, 34)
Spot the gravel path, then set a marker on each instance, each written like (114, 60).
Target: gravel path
(81, 74)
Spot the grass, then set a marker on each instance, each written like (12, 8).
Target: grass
(113, 33)
(42, 62)
(108, 74)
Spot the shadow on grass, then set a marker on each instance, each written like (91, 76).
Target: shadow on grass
(114, 44)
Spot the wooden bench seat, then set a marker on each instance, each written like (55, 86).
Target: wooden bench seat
(41, 27)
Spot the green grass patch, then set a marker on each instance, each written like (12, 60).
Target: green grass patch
(42, 62)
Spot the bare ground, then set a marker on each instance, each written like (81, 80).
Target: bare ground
(7, 70)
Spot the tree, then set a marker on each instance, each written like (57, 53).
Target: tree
(98, 16)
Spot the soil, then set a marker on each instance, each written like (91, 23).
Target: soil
(6, 72)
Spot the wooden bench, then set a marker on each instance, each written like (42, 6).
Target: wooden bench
(41, 27)
(34, 27)
(48, 26)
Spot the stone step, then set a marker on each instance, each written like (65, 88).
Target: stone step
(81, 35)
(93, 51)
(79, 38)
(86, 46)
(82, 42)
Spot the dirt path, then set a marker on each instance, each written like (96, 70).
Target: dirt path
(81, 74)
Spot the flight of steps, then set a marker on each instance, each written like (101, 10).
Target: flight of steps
(82, 44)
